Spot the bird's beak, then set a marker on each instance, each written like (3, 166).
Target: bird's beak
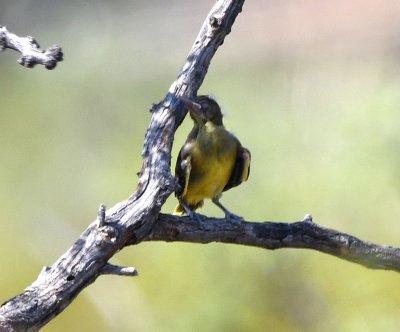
(194, 109)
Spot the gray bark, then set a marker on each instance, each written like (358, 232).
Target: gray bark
(130, 221)
(31, 54)
(138, 218)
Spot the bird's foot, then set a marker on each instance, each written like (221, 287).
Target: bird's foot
(197, 216)
(233, 218)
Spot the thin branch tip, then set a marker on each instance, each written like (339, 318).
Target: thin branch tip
(101, 215)
(128, 271)
(308, 218)
(30, 51)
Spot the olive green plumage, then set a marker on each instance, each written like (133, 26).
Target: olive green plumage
(211, 161)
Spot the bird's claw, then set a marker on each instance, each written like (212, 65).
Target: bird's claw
(233, 218)
(197, 216)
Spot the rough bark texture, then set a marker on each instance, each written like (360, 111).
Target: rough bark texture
(130, 221)
(276, 235)
(138, 218)
(30, 50)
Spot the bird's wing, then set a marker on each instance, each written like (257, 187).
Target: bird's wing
(183, 168)
(241, 170)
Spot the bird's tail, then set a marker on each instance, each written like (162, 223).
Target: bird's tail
(180, 210)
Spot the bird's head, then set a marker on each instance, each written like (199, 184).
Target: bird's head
(204, 109)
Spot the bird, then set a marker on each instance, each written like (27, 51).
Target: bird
(211, 161)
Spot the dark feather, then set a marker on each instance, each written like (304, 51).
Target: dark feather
(182, 166)
(241, 171)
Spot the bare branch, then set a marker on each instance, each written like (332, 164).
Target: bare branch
(130, 221)
(119, 270)
(101, 215)
(30, 50)
(138, 218)
(276, 235)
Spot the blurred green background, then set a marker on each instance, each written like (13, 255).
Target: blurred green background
(310, 87)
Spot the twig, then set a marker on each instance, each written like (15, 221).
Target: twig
(101, 215)
(119, 270)
(30, 50)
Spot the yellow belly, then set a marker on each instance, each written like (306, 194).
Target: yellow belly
(208, 182)
(211, 167)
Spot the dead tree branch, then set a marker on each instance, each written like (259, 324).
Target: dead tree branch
(276, 235)
(138, 218)
(130, 221)
(30, 50)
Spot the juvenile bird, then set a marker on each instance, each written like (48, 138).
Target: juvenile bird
(211, 161)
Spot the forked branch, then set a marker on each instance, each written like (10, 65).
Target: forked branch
(130, 221)
(138, 218)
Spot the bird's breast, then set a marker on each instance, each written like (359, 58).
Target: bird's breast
(212, 161)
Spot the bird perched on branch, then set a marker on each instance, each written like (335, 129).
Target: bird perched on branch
(211, 161)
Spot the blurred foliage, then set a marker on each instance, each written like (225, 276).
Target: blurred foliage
(310, 87)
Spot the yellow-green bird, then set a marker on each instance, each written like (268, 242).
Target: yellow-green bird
(211, 161)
